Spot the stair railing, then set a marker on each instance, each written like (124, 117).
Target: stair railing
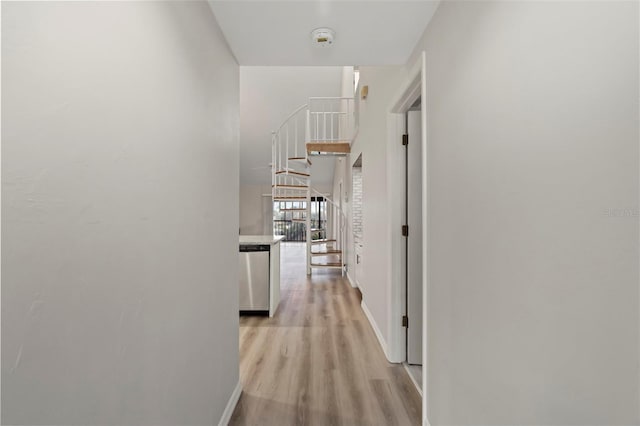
(288, 141)
(331, 119)
(342, 219)
(323, 120)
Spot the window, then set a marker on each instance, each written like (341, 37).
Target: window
(289, 219)
(356, 79)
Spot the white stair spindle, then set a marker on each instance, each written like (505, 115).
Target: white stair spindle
(279, 154)
(310, 125)
(295, 142)
(331, 114)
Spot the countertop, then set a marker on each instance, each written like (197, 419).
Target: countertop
(260, 239)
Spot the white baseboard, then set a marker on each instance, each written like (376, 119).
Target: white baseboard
(352, 282)
(376, 330)
(413, 380)
(231, 405)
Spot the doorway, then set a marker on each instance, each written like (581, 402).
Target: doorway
(412, 231)
(413, 89)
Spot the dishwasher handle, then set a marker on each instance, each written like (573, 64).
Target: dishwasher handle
(254, 247)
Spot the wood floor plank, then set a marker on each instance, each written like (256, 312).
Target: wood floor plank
(382, 392)
(317, 361)
(403, 387)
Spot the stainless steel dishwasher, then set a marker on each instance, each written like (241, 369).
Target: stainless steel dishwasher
(254, 278)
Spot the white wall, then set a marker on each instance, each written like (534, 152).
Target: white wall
(346, 85)
(533, 234)
(532, 138)
(255, 214)
(342, 173)
(119, 163)
(371, 142)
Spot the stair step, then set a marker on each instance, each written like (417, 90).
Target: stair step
(289, 198)
(293, 173)
(327, 265)
(299, 220)
(328, 252)
(300, 159)
(293, 210)
(326, 147)
(287, 186)
(322, 241)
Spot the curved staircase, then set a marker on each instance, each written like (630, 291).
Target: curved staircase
(323, 126)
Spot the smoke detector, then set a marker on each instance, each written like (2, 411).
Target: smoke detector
(322, 37)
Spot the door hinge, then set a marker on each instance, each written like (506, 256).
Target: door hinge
(405, 139)
(405, 321)
(405, 230)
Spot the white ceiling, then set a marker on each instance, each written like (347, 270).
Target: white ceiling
(267, 96)
(370, 32)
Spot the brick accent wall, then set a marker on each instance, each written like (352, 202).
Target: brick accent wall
(356, 174)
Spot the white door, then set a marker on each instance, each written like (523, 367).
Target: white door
(414, 240)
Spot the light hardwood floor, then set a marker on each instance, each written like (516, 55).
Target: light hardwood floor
(317, 361)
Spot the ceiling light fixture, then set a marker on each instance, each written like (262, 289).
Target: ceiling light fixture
(322, 37)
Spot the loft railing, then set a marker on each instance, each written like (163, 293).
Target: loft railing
(331, 119)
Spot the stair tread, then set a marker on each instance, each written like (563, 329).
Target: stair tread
(336, 147)
(293, 210)
(326, 252)
(292, 172)
(329, 142)
(328, 265)
(279, 198)
(322, 241)
(302, 159)
(283, 185)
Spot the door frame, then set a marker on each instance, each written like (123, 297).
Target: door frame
(410, 219)
(414, 87)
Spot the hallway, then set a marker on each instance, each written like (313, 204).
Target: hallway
(318, 361)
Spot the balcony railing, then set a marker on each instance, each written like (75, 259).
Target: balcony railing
(295, 231)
